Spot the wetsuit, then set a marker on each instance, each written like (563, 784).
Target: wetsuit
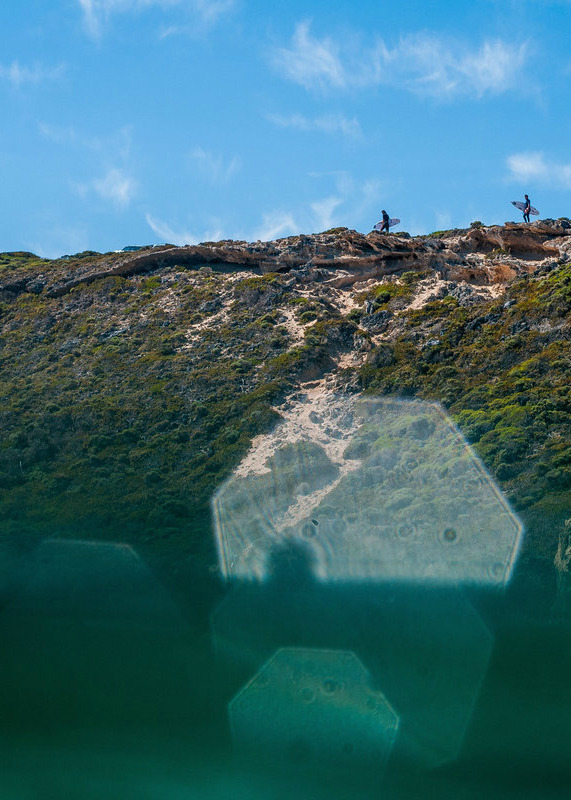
(526, 210)
(385, 225)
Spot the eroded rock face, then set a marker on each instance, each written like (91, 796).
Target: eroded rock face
(519, 240)
(480, 256)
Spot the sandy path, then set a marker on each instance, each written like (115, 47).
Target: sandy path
(318, 415)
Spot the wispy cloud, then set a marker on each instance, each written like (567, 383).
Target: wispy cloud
(421, 63)
(329, 123)
(351, 201)
(97, 13)
(276, 224)
(206, 13)
(446, 69)
(215, 169)
(18, 74)
(359, 197)
(109, 157)
(211, 10)
(117, 187)
(164, 231)
(323, 63)
(533, 166)
(180, 237)
(323, 211)
(367, 196)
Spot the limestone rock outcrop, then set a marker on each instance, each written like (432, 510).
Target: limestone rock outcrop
(341, 257)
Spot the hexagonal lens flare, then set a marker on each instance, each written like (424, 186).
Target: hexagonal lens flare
(313, 706)
(384, 490)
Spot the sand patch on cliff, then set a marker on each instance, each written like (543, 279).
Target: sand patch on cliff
(315, 414)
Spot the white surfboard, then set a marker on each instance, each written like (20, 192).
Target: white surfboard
(521, 206)
(392, 223)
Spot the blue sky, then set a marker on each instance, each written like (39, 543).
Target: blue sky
(144, 121)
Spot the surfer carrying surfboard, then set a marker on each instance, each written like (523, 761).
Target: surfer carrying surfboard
(385, 222)
(527, 209)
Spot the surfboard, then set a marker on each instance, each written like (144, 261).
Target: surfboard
(392, 222)
(521, 206)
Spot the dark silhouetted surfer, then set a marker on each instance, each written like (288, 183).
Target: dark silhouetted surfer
(527, 209)
(385, 225)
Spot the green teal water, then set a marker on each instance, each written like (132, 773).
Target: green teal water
(109, 689)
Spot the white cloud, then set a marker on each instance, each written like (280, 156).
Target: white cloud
(421, 63)
(360, 197)
(329, 123)
(323, 63)
(91, 16)
(527, 166)
(444, 69)
(116, 186)
(495, 67)
(276, 224)
(439, 68)
(96, 13)
(108, 154)
(180, 237)
(214, 168)
(323, 212)
(532, 166)
(211, 10)
(207, 13)
(368, 196)
(17, 75)
(164, 231)
(351, 201)
(310, 62)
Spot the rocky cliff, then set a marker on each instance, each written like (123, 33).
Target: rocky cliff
(133, 384)
(343, 256)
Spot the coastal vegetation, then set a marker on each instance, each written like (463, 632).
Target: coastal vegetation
(126, 401)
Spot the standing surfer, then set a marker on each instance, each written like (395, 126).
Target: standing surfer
(527, 209)
(385, 224)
